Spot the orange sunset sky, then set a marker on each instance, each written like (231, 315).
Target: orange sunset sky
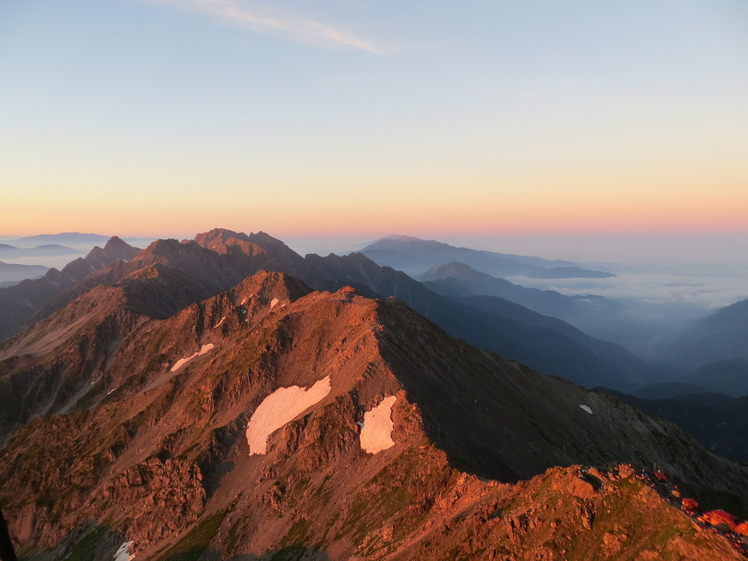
(159, 117)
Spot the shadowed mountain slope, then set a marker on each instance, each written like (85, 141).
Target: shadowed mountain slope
(602, 359)
(722, 335)
(718, 422)
(725, 376)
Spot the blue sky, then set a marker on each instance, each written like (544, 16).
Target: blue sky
(154, 117)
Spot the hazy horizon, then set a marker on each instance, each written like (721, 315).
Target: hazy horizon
(658, 252)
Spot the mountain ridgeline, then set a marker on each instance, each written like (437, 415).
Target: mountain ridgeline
(225, 398)
(219, 259)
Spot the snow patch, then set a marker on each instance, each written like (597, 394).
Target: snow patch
(123, 553)
(273, 302)
(279, 408)
(220, 322)
(376, 434)
(586, 408)
(182, 361)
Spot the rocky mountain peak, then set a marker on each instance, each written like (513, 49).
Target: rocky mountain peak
(222, 241)
(119, 249)
(270, 285)
(453, 269)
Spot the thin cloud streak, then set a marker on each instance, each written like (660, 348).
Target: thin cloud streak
(296, 28)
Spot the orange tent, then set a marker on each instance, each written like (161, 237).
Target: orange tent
(689, 504)
(720, 518)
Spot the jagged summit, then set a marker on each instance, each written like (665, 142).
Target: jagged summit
(120, 249)
(224, 241)
(114, 250)
(221, 240)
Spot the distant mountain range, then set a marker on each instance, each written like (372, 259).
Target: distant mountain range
(63, 238)
(79, 242)
(414, 256)
(194, 401)
(729, 377)
(24, 302)
(8, 251)
(720, 336)
(459, 279)
(11, 273)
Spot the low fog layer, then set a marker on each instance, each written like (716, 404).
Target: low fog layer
(695, 294)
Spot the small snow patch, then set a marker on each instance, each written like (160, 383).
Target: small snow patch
(123, 553)
(279, 408)
(586, 408)
(220, 322)
(273, 302)
(376, 433)
(182, 361)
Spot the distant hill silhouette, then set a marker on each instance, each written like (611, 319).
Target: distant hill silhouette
(459, 279)
(725, 376)
(669, 390)
(11, 273)
(8, 251)
(63, 238)
(722, 335)
(414, 256)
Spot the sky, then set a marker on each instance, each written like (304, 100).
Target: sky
(362, 118)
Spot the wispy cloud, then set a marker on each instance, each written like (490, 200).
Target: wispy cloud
(263, 19)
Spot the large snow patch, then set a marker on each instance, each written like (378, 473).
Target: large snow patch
(279, 408)
(123, 553)
(376, 434)
(182, 361)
